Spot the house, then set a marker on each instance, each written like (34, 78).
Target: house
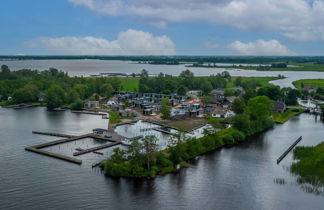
(178, 112)
(228, 101)
(193, 93)
(99, 131)
(97, 97)
(217, 96)
(127, 113)
(148, 111)
(41, 97)
(9, 98)
(279, 107)
(91, 105)
(220, 112)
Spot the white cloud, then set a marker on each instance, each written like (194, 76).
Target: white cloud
(295, 19)
(130, 42)
(261, 48)
(211, 45)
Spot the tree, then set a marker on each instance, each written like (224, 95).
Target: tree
(291, 98)
(106, 90)
(150, 148)
(182, 90)
(259, 107)
(205, 86)
(238, 81)
(55, 96)
(165, 108)
(238, 105)
(77, 105)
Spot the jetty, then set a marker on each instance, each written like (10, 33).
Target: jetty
(93, 149)
(54, 155)
(288, 150)
(109, 136)
(52, 134)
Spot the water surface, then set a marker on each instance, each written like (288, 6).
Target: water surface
(241, 177)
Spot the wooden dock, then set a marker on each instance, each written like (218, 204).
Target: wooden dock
(288, 150)
(98, 153)
(52, 134)
(164, 131)
(54, 155)
(93, 149)
(60, 141)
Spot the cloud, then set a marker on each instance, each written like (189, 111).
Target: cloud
(294, 19)
(261, 48)
(130, 42)
(211, 45)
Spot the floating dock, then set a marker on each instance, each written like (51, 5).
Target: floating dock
(54, 155)
(288, 150)
(93, 149)
(52, 134)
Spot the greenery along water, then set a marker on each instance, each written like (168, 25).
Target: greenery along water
(148, 162)
(310, 167)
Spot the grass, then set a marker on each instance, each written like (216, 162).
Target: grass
(289, 113)
(263, 81)
(129, 83)
(310, 165)
(295, 67)
(187, 124)
(315, 83)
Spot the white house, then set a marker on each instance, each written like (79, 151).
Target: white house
(91, 105)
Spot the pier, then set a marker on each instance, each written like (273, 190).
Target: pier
(288, 150)
(52, 134)
(93, 149)
(54, 155)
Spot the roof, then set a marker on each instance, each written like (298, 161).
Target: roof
(219, 110)
(279, 105)
(231, 98)
(217, 91)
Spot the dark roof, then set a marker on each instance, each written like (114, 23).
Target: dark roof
(279, 105)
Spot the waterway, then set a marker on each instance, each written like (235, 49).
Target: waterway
(87, 67)
(241, 177)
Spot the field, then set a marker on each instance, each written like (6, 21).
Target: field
(310, 166)
(264, 81)
(314, 83)
(293, 67)
(289, 113)
(129, 83)
(187, 124)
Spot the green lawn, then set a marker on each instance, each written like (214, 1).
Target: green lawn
(310, 166)
(263, 81)
(295, 67)
(289, 113)
(129, 83)
(315, 83)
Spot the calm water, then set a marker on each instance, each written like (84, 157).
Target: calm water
(90, 67)
(241, 177)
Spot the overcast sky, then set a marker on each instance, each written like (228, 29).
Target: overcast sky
(162, 27)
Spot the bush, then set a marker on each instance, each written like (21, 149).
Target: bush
(228, 140)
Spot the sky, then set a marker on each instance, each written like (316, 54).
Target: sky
(162, 27)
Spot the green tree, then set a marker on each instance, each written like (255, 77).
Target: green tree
(55, 96)
(106, 90)
(238, 105)
(259, 107)
(77, 105)
(150, 148)
(182, 90)
(165, 108)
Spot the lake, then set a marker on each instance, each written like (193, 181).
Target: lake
(241, 177)
(87, 67)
